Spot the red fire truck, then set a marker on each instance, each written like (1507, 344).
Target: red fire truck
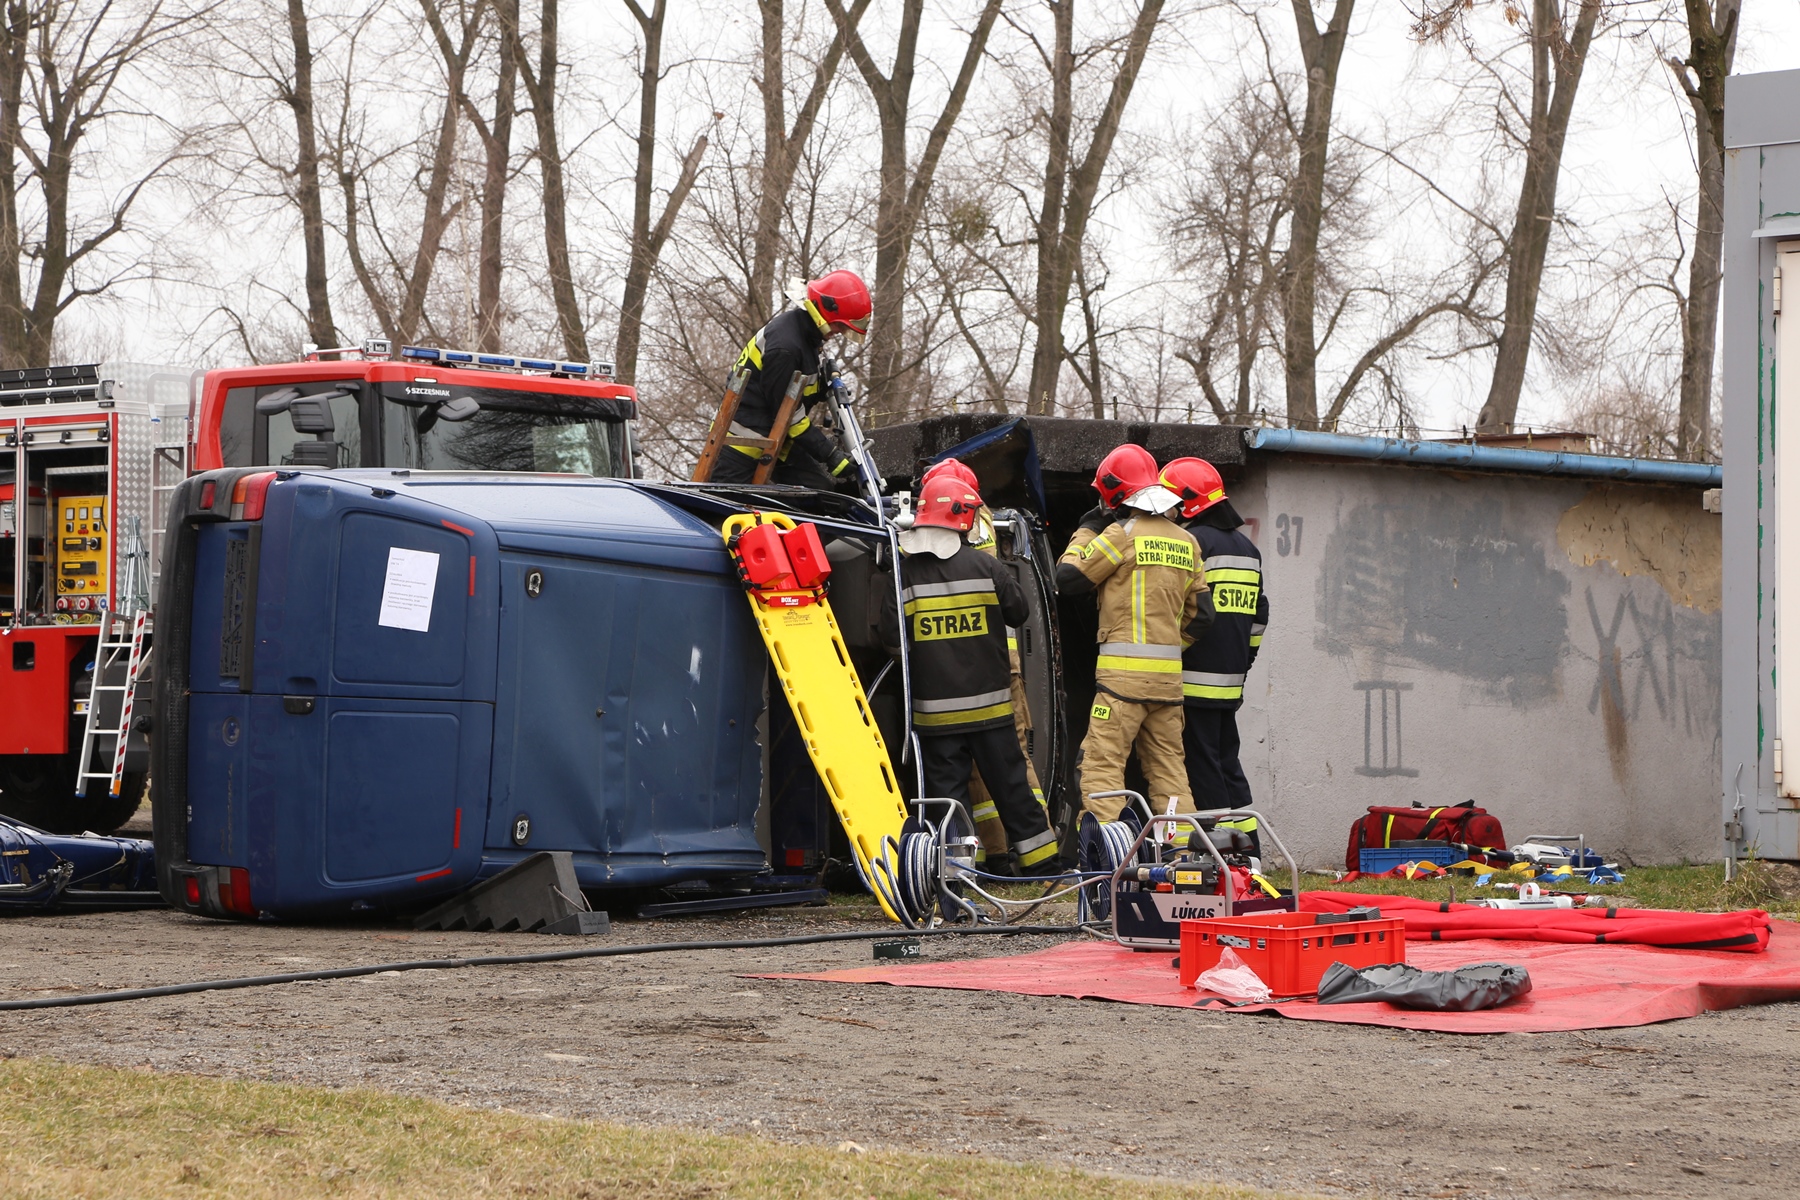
(90, 454)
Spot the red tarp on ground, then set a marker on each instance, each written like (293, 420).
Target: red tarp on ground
(1573, 986)
(1745, 931)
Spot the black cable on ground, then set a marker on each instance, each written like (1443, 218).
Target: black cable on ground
(505, 960)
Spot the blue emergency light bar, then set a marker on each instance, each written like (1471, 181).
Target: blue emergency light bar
(507, 362)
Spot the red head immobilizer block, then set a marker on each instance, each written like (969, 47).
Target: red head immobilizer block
(764, 561)
(807, 554)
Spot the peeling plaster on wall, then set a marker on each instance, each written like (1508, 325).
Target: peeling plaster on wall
(1666, 536)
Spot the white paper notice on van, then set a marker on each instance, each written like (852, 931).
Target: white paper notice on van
(407, 592)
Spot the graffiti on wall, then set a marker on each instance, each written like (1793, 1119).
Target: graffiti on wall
(1444, 583)
(1383, 746)
(1652, 661)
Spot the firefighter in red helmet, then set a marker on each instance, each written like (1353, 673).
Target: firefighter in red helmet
(1152, 594)
(988, 826)
(838, 303)
(1214, 667)
(958, 603)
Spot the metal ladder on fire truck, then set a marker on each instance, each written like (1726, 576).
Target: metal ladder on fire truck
(120, 655)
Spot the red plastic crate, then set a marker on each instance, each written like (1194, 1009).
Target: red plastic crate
(1288, 950)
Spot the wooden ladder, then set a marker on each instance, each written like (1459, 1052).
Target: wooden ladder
(768, 448)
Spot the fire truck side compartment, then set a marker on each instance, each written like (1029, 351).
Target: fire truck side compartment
(585, 662)
(34, 685)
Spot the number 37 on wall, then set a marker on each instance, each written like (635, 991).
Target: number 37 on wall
(1287, 534)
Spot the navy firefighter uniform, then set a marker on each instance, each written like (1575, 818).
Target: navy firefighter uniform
(1214, 667)
(958, 603)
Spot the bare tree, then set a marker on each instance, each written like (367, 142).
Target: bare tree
(541, 90)
(901, 200)
(647, 240)
(1321, 51)
(308, 195)
(394, 270)
(784, 145)
(1559, 52)
(496, 143)
(1228, 225)
(1067, 204)
(1239, 197)
(981, 283)
(1712, 31)
(66, 73)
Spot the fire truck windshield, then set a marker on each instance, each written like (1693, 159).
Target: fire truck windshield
(454, 428)
(511, 431)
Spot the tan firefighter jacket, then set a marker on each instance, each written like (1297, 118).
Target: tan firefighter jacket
(1151, 579)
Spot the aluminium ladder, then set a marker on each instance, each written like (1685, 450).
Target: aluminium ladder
(114, 646)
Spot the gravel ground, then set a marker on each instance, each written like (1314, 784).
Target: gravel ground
(1699, 1108)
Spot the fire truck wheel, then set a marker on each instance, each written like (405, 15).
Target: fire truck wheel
(39, 789)
(110, 812)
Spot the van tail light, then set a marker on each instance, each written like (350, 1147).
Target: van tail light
(248, 495)
(193, 890)
(234, 891)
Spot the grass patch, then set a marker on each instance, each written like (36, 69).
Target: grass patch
(1696, 889)
(102, 1132)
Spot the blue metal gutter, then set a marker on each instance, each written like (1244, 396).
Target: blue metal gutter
(1474, 457)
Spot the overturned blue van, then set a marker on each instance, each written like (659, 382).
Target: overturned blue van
(374, 688)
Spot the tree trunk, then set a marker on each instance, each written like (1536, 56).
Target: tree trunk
(1713, 45)
(1322, 51)
(497, 142)
(1556, 66)
(1060, 241)
(900, 199)
(643, 262)
(320, 326)
(540, 89)
(647, 241)
(782, 146)
(637, 272)
(1047, 355)
(16, 32)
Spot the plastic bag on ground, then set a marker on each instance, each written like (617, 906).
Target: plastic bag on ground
(1231, 978)
(1466, 989)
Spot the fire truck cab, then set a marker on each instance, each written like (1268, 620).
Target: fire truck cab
(89, 456)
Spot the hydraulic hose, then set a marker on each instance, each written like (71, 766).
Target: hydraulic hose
(507, 960)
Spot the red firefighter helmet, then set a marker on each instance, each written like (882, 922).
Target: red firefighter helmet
(1124, 472)
(948, 504)
(1196, 481)
(950, 468)
(841, 300)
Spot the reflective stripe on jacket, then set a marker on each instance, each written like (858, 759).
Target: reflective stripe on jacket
(1148, 573)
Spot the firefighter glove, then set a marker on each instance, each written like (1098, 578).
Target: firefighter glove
(1204, 618)
(1071, 582)
(1097, 519)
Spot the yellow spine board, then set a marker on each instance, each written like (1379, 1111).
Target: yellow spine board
(822, 688)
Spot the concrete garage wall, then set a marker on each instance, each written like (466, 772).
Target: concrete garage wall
(1547, 647)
